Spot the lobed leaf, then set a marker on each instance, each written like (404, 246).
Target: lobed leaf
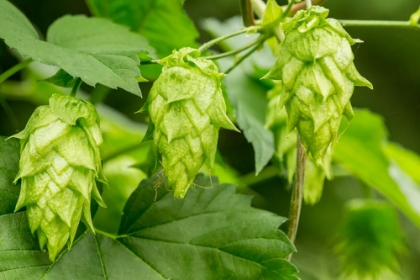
(164, 23)
(96, 50)
(211, 234)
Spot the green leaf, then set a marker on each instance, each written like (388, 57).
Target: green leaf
(248, 98)
(163, 22)
(361, 151)
(96, 50)
(9, 166)
(210, 234)
(61, 79)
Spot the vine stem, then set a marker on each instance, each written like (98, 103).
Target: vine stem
(247, 13)
(232, 52)
(5, 75)
(76, 87)
(242, 58)
(379, 23)
(297, 193)
(227, 36)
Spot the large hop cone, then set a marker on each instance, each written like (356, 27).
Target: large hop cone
(58, 166)
(187, 108)
(316, 69)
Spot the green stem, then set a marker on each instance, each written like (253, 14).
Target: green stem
(259, 7)
(227, 36)
(247, 13)
(76, 87)
(107, 234)
(232, 52)
(379, 23)
(5, 75)
(242, 58)
(287, 10)
(146, 62)
(308, 4)
(98, 94)
(297, 193)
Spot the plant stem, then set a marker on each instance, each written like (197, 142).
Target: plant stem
(247, 13)
(146, 62)
(227, 36)
(76, 87)
(259, 7)
(302, 5)
(106, 233)
(232, 52)
(5, 75)
(308, 4)
(287, 10)
(297, 193)
(379, 23)
(98, 94)
(242, 58)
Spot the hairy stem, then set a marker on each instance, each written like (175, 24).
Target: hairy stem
(227, 36)
(76, 87)
(5, 75)
(297, 193)
(233, 52)
(247, 12)
(379, 23)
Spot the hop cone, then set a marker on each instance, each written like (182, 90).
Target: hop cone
(59, 164)
(316, 69)
(370, 239)
(286, 150)
(187, 108)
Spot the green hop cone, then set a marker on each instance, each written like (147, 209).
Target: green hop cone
(286, 150)
(59, 163)
(370, 239)
(187, 109)
(316, 69)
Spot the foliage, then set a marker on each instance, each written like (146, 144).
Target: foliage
(285, 82)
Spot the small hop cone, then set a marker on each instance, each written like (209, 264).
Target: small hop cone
(316, 69)
(58, 166)
(187, 109)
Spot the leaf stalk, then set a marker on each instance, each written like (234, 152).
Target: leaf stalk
(5, 75)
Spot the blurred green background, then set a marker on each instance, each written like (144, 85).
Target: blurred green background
(389, 58)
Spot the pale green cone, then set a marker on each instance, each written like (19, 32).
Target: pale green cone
(58, 166)
(315, 66)
(187, 108)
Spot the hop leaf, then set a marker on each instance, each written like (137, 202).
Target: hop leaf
(370, 238)
(187, 109)
(58, 166)
(316, 69)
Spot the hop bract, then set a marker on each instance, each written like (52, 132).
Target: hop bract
(187, 108)
(58, 166)
(316, 69)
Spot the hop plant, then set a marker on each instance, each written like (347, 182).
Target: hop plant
(59, 163)
(187, 109)
(315, 66)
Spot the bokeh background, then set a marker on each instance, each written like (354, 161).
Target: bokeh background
(389, 58)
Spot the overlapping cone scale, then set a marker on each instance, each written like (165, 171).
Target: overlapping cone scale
(315, 66)
(58, 166)
(187, 109)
